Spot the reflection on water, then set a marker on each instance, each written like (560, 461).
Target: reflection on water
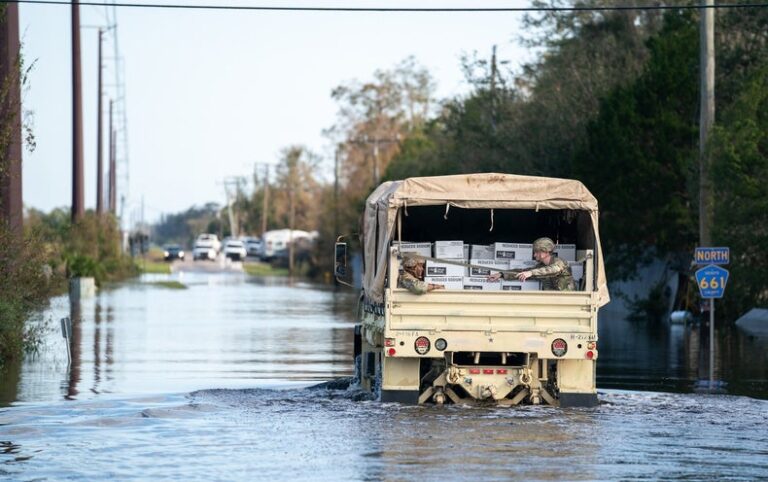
(223, 331)
(664, 357)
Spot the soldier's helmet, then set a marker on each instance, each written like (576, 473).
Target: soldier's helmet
(544, 244)
(410, 262)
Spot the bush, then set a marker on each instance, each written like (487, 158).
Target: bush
(26, 282)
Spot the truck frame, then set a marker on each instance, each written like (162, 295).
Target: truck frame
(465, 346)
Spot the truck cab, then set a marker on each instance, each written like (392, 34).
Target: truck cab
(475, 341)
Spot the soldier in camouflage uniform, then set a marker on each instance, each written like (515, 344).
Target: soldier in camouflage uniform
(554, 273)
(412, 277)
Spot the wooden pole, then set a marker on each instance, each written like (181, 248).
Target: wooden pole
(78, 207)
(11, 203)
(706, 118)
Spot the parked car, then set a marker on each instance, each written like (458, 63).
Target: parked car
(209, 239)
(173, 252)
(235, 250)
(254, 247)
(204, 250)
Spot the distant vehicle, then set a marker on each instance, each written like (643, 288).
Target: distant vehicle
(276, 242)
(205, 250)
(207, 238)
(235, 250)
(254, 247)
(173, 252)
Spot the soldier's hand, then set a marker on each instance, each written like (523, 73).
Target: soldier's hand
(495, 276)
(524, 275)
(436, 287)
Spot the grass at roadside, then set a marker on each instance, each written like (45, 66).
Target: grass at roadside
(149, 266)
(173, 285)
(264, 269)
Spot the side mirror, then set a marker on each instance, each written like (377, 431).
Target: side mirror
(340, 269)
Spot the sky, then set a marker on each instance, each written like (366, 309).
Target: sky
(209, 94)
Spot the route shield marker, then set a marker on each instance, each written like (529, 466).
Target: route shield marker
(712, 280)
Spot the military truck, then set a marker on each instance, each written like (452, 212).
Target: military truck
(456, 345)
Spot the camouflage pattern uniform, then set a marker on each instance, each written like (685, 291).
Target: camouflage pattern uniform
(556, 276)
(411, 283)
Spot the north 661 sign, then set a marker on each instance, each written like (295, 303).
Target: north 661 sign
(712, 280)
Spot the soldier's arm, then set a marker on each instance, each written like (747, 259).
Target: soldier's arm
(414, 285)
(553, 269)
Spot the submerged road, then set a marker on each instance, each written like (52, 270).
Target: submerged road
(209, 382)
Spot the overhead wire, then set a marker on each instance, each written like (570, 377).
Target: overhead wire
(574, 8)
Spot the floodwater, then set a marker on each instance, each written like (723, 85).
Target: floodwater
(212, 383)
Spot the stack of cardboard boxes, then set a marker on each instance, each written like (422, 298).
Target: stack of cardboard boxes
(486, 260)
(447, 274)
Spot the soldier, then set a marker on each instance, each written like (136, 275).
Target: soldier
(554, 273)
(412, 277)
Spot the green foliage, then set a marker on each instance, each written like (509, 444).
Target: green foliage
(26, 281)
(81, 266)
(641, 151)
(182, 228)
(92, 247)
(739, 150)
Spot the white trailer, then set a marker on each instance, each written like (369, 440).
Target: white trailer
(505, 347)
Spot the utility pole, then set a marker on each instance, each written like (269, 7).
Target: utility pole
(99, 146)
(336, 191)
(375, 141)
(11, 205)
(112, 165)
(707, 117)
(78, 207)
(264, 205)
(233, 223)
(292, 162)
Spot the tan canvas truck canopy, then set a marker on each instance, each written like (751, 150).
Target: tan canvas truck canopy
(470, 191)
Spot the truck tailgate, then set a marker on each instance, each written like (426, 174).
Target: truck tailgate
(539, 311)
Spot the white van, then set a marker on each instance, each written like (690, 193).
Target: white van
(275, 243)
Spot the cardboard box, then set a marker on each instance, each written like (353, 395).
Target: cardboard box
(577, 269)
(450, 282)
(481, 251)
(449, 249)
(490, 263)
(513, 251)
(422, 249)
(435, 268)
(566, 252)
(528, 285)
(481, 283)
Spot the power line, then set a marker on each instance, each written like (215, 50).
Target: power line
(180, 6)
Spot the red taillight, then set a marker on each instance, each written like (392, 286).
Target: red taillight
(488, 371)
(389, 342)
(474, 371)
(590, 355)
(501, 371)
(391, 352)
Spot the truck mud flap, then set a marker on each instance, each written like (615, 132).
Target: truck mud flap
(409, 397)
(570, 400)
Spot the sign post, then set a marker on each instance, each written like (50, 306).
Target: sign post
(712, 280)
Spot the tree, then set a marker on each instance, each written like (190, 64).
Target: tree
(640, 152)
(740, 167)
